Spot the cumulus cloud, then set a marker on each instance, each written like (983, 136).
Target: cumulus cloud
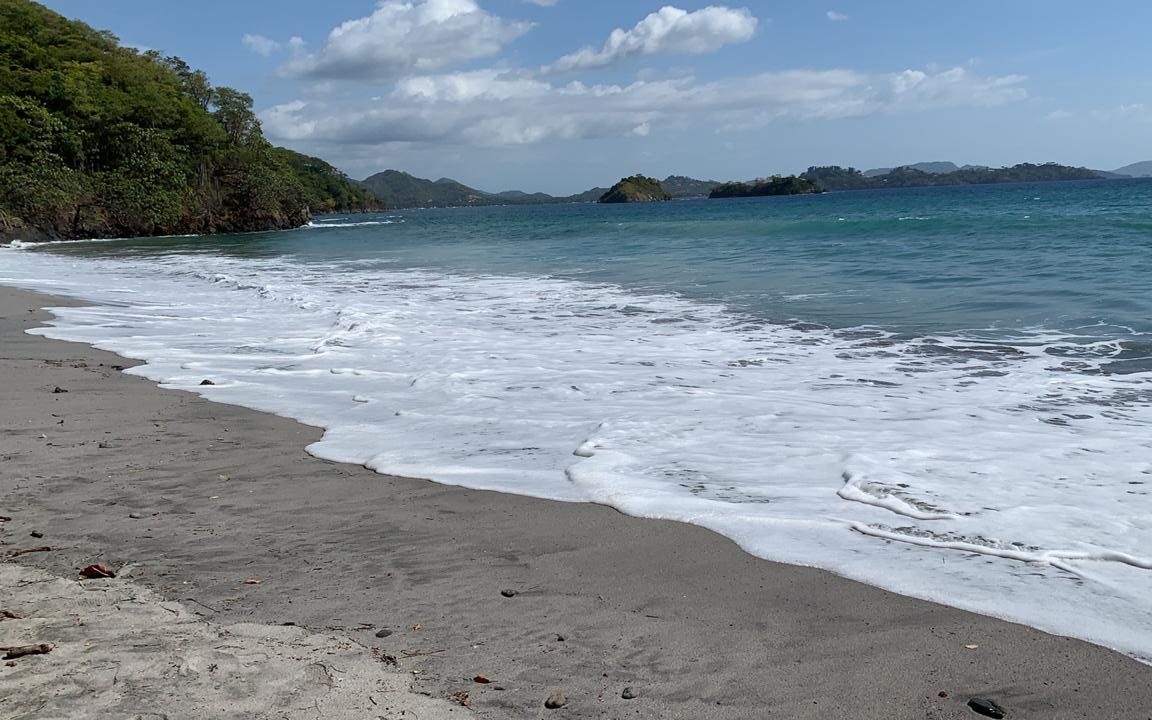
(260, 44)
(668, 31)
(489, 107)
(542, 3)
(407, 36)
(835, 16)
(267, 46)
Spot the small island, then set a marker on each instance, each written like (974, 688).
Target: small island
(775, 185)
(637, 188)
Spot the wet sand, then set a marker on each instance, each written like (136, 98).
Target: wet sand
(196, 497)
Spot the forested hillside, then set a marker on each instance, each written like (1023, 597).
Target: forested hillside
(97, 140)
(834, 177)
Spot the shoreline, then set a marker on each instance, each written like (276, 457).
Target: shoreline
(694, 625)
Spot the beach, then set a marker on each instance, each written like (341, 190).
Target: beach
(220, 509)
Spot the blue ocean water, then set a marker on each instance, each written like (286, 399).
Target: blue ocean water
(942, 391)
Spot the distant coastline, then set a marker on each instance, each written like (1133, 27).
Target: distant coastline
(402, 190)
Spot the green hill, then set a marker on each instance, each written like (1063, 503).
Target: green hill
(401, 190)
(1140, 169)
(98, 140)
(932, 168)
(776, 185)
(637, 188)
(834, 177)
(679, 186)
(326, 189)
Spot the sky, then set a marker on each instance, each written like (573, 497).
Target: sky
(562, 95)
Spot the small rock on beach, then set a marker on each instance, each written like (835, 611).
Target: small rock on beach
(556, 700)
(986, 707)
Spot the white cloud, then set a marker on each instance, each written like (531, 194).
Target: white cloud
(835, 16)
(405, 36)
(542, 3)
(1137, 111)
(670, 30)
(917, 90)
(260, 44)
(1057, 115)
(267, 46)
(489, 107)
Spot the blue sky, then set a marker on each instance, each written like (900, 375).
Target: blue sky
(562, 95)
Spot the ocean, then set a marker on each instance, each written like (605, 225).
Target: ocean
(946, 392)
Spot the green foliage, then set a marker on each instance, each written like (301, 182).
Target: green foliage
(638, 188)
(99, 140)
(834, 177)
(326, 189)
(775, 185)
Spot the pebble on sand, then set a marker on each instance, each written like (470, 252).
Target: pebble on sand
(556, 700)
(629, 694)
(508, 593)
(383, 633)
(986, 707)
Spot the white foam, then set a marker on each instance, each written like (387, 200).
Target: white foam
(322, 224)
(958, 469)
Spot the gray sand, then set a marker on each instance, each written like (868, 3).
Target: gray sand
(118, 650)
(694, 626)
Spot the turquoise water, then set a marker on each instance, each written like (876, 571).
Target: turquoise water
(1059, 255)
(946, 392)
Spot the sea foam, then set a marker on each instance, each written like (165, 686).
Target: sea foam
(1009, 476)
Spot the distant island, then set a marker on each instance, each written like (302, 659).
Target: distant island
(401, 190)
(776, 185)
(637, 188)
(834, 177)
(99, 140)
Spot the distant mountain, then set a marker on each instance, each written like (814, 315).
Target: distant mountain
(834, 177)
(401, 190)
(1140, 169)
(679, 186)
(932, 168)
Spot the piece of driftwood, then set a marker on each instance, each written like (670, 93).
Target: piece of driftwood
(25, 551)
(21, 650)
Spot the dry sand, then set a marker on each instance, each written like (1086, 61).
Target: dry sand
(195, 497)
(119, 651)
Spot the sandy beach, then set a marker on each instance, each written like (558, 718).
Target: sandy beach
(220, 511)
